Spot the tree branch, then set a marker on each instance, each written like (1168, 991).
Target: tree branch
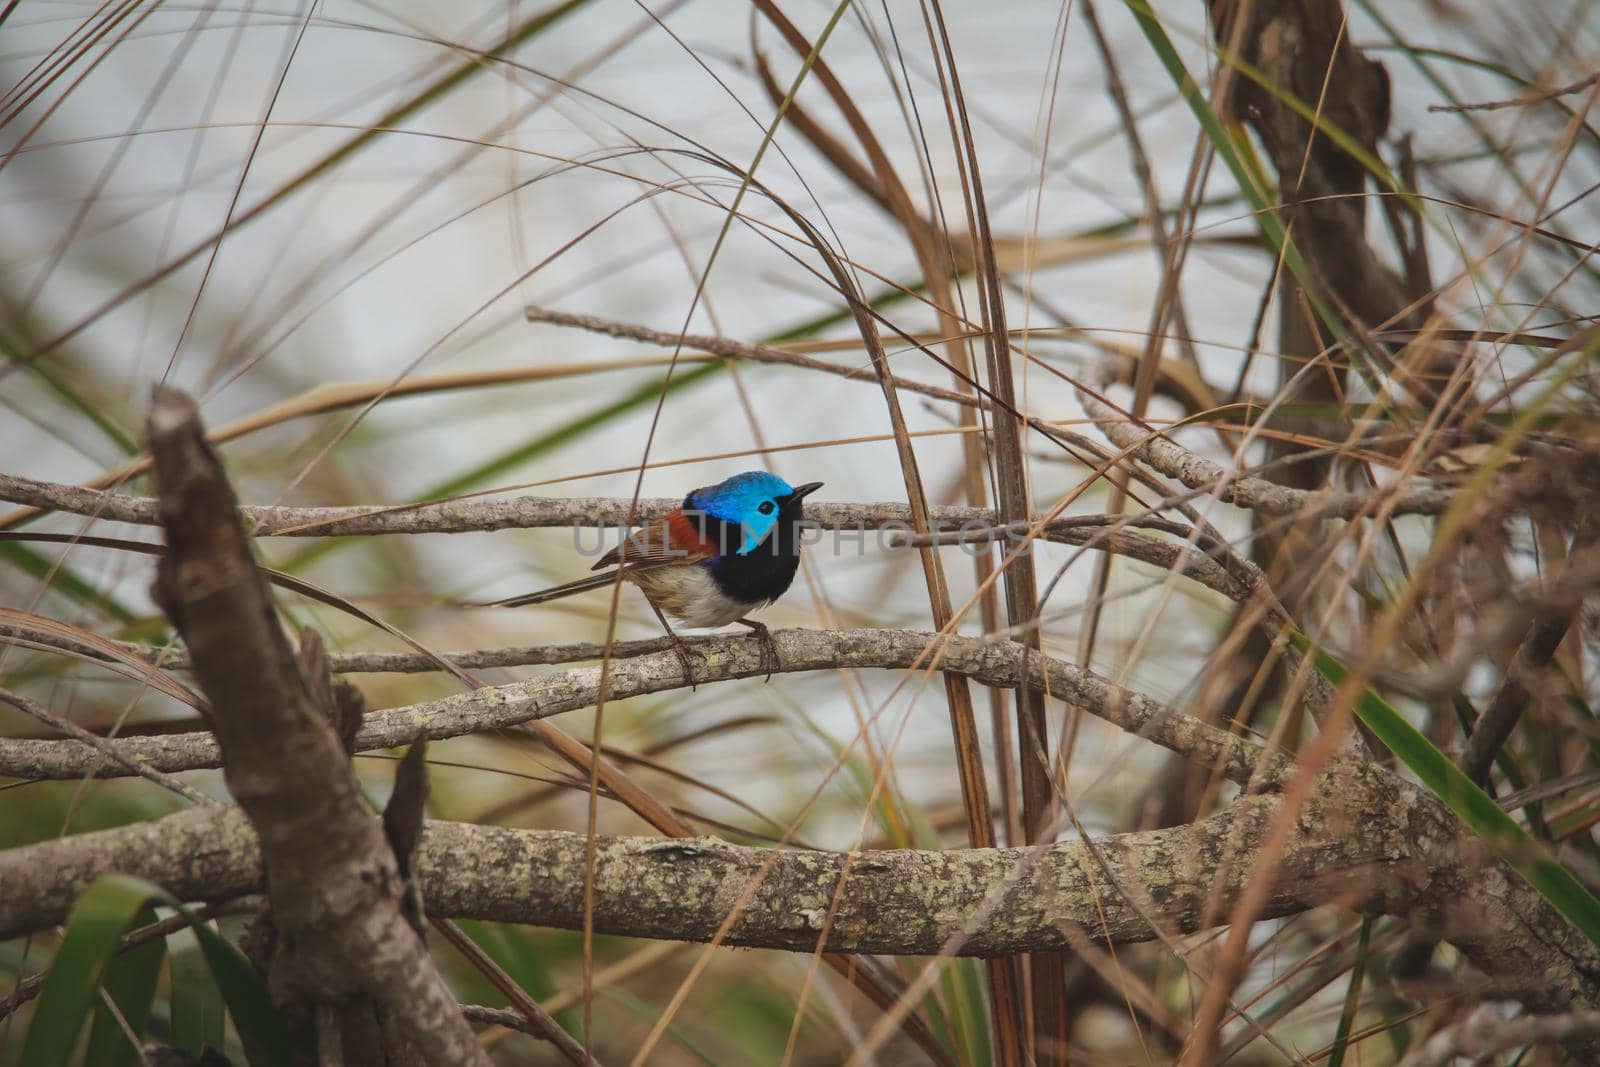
(1367, 840)
(996, 663)
(728, 348)
(105, 747)
(1248, 491)
(954, 525)
(480, 515)
(900, 902)
(332, 883)
(1486, 1034)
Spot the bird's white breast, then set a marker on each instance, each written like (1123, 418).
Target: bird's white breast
(691, 596)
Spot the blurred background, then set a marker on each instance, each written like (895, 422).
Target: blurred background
(395, 184)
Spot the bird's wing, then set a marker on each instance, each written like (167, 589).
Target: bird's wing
(674, 539)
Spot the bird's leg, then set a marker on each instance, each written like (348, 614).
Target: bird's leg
(769, 648)
(677, 645)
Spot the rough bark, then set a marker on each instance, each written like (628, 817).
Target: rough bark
(542, 512)
(1368, 841)
(342, 943)
(996, 663)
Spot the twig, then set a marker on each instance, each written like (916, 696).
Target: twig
(1538, 648)
(1537, 794)
(1256, 494)
(534, 1019)
(511, 1020)
(1494, 726)
(1525, 100)
(1484, 1035)
(743, 350)
(39, 712)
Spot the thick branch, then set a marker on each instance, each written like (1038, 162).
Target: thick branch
(995, 663)
(331, 879)
(1366, 840)
(900, 902)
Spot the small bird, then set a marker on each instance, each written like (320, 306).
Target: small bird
(727, 550)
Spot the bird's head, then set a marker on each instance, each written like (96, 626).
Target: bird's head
(756, 500)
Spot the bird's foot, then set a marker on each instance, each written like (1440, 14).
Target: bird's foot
(677, 646)
(684, 661)
(769, 647)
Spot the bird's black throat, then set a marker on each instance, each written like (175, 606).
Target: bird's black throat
(765, 572)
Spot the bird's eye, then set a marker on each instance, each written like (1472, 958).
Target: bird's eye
(765, 508)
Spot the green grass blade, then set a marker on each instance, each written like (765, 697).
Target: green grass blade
(648, 1013)
(199, 1018)
(101, 916)
(475, 63)
(964, 993)
(266, 1039)
(12, 349)
(98, 920)
(529, 450)
(1466, 716)
(644, 395)
(571, 431)
(1352, 997)
(130, 981)
(1475, 807)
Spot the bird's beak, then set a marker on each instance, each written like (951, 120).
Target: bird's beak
(802, 491)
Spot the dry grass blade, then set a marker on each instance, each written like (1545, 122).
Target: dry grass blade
(93, 648)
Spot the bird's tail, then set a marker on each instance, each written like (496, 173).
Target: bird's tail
(557, 592)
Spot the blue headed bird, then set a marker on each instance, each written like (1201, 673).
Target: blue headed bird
(726, 551)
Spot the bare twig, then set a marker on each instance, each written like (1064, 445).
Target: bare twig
(1494, 726)
(1525, 100)
(1538, 648)
(728, 348)
(33, 709)
(1256, 494)
(1485, 1034)
(534, 1019)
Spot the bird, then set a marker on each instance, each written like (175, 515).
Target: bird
(726, 551)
